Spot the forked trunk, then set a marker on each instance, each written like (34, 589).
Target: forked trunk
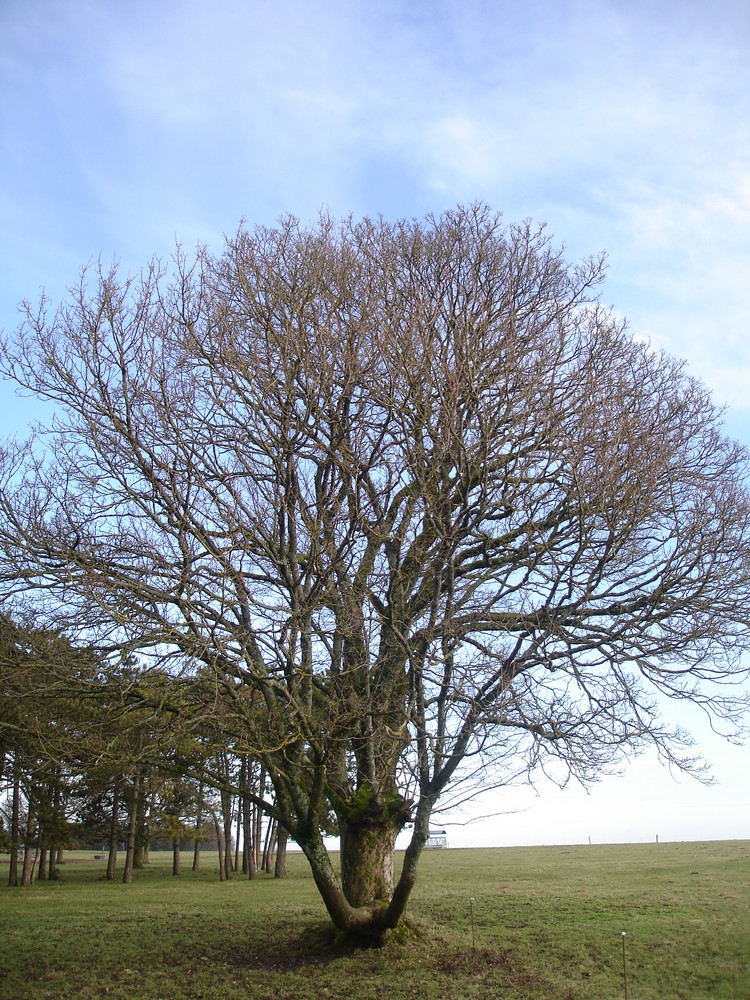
(365, 903)
(367, 861)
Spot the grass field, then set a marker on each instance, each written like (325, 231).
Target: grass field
(548, 923)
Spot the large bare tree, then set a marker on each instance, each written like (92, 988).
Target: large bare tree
(417, 501)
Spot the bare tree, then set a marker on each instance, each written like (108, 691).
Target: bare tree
(407, 486)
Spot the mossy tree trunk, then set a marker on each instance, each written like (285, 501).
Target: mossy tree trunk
(368, 831)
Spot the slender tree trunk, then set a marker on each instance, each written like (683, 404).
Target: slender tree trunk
(127, 875)
(176, 855)
(147, 814)
(219, 844)
(15, 832)
(226, 812)
(27, 872)
(198, 828)
(43, 828)
(258, 821)
(268, 850)
(228, 852)
(140, 826)
(29, 867)
(57, 824)
(239, 832)
(248, 854)
(282, 838)
(114, 829)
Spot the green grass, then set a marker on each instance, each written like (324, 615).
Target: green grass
(548, 923)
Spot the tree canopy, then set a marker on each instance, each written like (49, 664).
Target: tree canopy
(416, 502)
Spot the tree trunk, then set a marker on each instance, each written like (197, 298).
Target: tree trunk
(228, 852)
(140, 827)
(258, 821)
(198, 825)
(127, 875)
(280, 870)
(114, 827)
(57, 824)
(268, 850)
(367, 861)
(29, 867)
(148, 812)
(226, 813)
(27, 872)
(44, 821)
(15, 833)
(239, 832)
(176, 855)
(248, 854)
(365, 903)
(219, 844)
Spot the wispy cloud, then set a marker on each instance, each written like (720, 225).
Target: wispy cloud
(625, 125)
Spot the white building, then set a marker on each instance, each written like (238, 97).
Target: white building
(437, 838)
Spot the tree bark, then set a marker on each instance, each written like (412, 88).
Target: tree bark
(198, 825)
(270, 845)
(220, 845)
(27, 872)
(29, 867)
(226, 812)
(282, 838)
(239, 833)
(366, 904)
(15, 833)
(113, 833)
(127, 875)
(139, 844)
(367, 861)
(58, 813)
(248, 854)
(176, 855)
(258, 822)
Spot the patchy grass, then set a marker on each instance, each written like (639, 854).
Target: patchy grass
(548, 923)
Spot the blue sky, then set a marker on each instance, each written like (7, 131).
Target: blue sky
(624, 125)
